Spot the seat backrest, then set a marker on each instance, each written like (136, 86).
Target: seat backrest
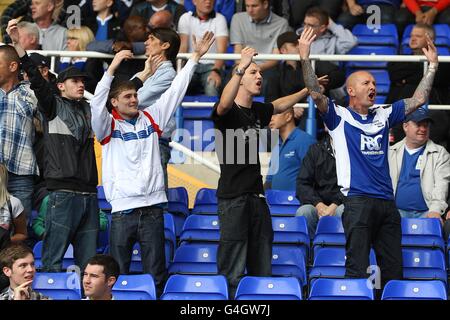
(421, 227)
(282, 201)
(373, 50)
(341, 289)
(382, 30)
(414, 290)
(330, 225)
(201, 253)
(205, 196)
(189, 286)
(134, 287)
(269, 288)
(58, 286)
(288, 261)
(169, 227)
(201, 222)
(178, 200)
(335, 257)
(423, 258)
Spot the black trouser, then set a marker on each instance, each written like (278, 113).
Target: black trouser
(372, 222)
(246, 237)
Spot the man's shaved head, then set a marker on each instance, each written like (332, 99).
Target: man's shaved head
(361, 88)
(357, 76)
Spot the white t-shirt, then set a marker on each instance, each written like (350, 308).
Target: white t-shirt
(190, 25)
(5, 216)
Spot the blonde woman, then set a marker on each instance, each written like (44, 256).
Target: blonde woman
(12, 215)
(77, 40)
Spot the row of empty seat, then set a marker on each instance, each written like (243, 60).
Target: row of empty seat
(66, 286)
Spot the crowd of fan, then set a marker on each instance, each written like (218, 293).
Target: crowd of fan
(47, 157)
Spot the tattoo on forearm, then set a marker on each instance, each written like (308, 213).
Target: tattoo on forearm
(309, 76)
(422, 91)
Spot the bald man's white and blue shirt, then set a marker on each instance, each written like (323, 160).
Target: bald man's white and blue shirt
(361, 145)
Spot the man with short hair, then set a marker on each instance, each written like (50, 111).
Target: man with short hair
(28, 35)
(361, 139)
(161, 19)
(18, 105)
(70, 165)
(17, 262)
(208, 75)
(147, 8)
(52, 36)
(420, 170)
(99, 277)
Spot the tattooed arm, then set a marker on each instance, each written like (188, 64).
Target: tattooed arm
(423, 89)
(309, 76)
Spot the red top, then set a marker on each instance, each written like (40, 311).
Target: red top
(414, 5)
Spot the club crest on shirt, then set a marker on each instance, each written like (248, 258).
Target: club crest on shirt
(371, 145)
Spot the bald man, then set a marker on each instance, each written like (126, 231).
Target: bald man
(161, 19)
(361, 140)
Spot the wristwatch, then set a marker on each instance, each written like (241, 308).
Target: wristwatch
(239, 72)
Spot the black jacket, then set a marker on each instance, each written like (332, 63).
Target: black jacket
(69, 161)
(317, 180)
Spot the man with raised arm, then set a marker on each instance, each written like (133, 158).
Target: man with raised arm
(245, 225)
(360, 136)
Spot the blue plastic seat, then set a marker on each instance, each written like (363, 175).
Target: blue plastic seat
(370, 50)
(58, 286)
(68, 259)
(291, 231)
(178, 206)
(134, 287)
(422, 233)
(103, 236)
(414, 290)
(200, 228)
(329, 262)
(103, 204)
(386, 35)
(136, 257)
(269, 288)
(169, 233)
(329, 232)
(195, 287)
(289, 262)
(282, 203)
(205, 202)
(341, 289)
(194, 258)
(424, 264)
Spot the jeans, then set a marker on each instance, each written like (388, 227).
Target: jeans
(372, 222)
(412, 214)
(146, 226)
(71, 218)
(312, 218)
(21, 187)
(246, 237)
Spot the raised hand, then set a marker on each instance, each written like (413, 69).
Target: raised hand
(430, 51)
(356, 10)
(118, 58)
(13, 31)
(22, 292)
(304, 43)
(202, 46)
(247, 55)
(152, 63)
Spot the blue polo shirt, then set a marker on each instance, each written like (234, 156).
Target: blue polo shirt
(409, 195)
(284, 169)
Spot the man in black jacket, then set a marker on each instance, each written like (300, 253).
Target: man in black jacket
(70, 169)
(317, 188)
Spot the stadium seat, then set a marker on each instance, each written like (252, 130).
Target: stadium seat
(169, 233)
(103, 204)
(103, 236)
(200, 228)
(68, 259)
(268, 288)
(178, 206)
(291, 231)
(424, 264)
(414, 290)
(422, 233)
(386, 35)
(330, 263)
(341, 289)
(370, 50)
(194, 258)
(205, 202)
(289, 262)
(329, 232)
(134, 287)
(195, 287)
(58, 286)
(282, 203)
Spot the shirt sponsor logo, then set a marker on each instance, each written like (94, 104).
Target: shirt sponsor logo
(371, 145)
